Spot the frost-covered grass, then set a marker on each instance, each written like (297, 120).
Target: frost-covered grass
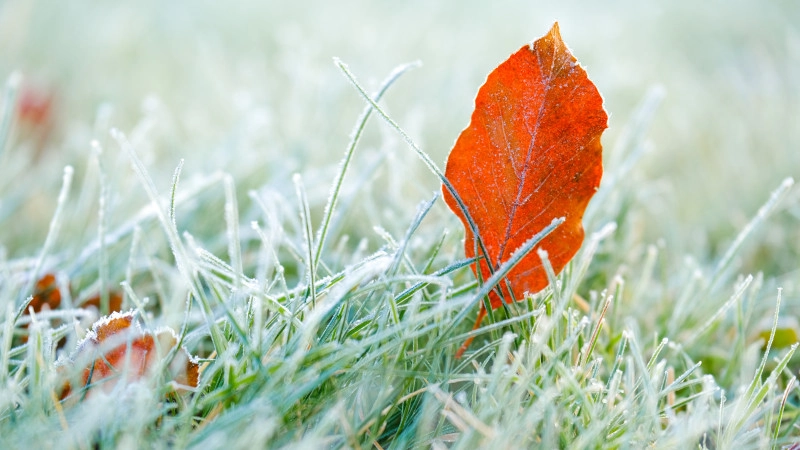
(212, 162)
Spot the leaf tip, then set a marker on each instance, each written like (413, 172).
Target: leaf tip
(554, 31)
(553, 36)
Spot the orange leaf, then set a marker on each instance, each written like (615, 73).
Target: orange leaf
(45, 292)
(36, 116)
(114, 302)
(45, 295)
(131, 350)
(531, 154)
(35, 105)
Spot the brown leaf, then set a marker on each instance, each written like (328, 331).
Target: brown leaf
(531, 154)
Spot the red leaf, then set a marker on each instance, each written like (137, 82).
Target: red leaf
(531, 154)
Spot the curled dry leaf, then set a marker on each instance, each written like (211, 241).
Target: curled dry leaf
(530, 154)
(117, 348)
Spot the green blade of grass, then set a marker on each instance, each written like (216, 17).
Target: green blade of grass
(182, 260)
(358, 130)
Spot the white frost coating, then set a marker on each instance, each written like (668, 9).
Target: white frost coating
(96, 148)
(595, 387)
(607, 230)
(151, 104)
(91, 335)
(675, 346)
(375, 266)
(14, 80)
(194, 359)
(62, 314)
(166, 329)
(353, 277)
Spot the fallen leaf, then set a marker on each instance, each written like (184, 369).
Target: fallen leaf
(117, 348)
(530, 154)
(47, 296)
(45, 293)
(36, 116)
(35, 105)
(114, 302)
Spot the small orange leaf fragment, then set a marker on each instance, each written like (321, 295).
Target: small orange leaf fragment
(36, 115)
(114, 302)
(530, 154)
(45, 292)
(46, 295)
(35, 105)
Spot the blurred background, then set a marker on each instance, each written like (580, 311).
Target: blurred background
(250, 88)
